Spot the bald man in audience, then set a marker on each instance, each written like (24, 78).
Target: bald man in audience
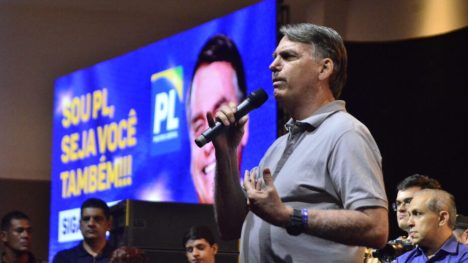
(431, 222)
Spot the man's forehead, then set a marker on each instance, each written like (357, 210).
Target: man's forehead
(92, 211)
(409, 192)
(194, 242)
(419, 202)
(216, 77)
(287, 44)
(20, 223)
(213, 84)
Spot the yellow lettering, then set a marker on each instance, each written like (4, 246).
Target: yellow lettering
(112, 137)
(66, 116)
(65, 149)
(72, 184)
(73, 155)
(82, 184)
(97, 103)
(75, 106)
(106, 110)
(121, 138)
(102, 176)
(112, 173)
(91, 144)
(131, 128)
(102, 138)
(92, 178)
(86, 107)
(97, 178)
(129, 168)
(64, 179)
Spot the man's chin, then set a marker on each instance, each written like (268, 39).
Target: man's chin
(90, 237)
(205, 199)
(24, 249)
(416, 241)
(277, 93)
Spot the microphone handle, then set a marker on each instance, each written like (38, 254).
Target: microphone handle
(214, 131)
(253, 101)
(204, 138)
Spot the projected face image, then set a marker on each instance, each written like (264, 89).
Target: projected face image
(213, 85)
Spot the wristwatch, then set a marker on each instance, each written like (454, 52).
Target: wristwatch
(297, 222)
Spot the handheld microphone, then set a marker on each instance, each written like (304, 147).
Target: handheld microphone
(253, 101)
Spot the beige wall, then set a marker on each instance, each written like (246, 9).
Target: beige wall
(384, 20)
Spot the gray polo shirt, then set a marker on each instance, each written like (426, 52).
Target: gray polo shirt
(337, 165)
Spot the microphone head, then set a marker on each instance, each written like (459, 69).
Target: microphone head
(258, 97)
(201, 141)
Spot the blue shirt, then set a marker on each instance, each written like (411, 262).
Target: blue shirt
(79, 255)
(450, 252)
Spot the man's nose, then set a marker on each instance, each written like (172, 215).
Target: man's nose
(402, 208)
(410, 221)
(275, 65)
(25, 233)
(91, 222)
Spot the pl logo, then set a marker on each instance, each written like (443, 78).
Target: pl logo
(167, 109)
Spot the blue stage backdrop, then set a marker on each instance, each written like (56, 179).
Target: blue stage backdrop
(120, 129)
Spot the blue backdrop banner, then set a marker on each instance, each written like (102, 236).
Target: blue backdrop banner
(121, 128)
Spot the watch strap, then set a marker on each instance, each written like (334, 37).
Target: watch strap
(297, 222)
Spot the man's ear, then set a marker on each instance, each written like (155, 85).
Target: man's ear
(215, 248)
(326, 68)
(3, 236)
(444, 218)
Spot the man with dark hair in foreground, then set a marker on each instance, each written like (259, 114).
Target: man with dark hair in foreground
(95, 221)
(16, 236)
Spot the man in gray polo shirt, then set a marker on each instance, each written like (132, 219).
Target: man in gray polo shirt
(318, 193)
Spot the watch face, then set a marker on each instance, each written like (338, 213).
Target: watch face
(294, 230)
(295, 226)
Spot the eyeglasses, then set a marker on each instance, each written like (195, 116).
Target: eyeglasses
(398, 203)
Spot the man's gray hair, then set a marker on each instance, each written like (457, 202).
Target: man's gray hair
(327, 43)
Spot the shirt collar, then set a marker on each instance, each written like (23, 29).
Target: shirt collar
(82, 251)
(31, 257)
(449, 247)
(319, 116)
